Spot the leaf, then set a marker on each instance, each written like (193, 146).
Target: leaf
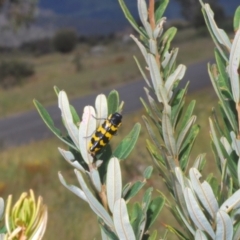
(153, 235)
(220, 35)
(166, 43)
(224, 226)
(113, 102)
(168, 135)
(229, 114)
(200, 235)
(234, 61)
(141, 47)
(160, 7)
(72, 188)
(187, 114)
(101, 108)
(49, 122)
(1, 208)
(143, 14)
(153, 211)
(204, 192)
(86, 129)
(157, 80)
(187, 146)
(135, 188)
(121, 221)
(127, 144)
(95, 177)
(114, 182)
(151, 132)
(69, 157)
(177, 104)
(175, 76)
(184, 132)
(130, 17)
(196, 213)
(67, 117)
(148, 172)
(232, 202)
(93, 202)
(106, 232)
(236, 19)
(136, 218)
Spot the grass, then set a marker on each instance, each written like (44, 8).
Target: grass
(36, 165)
(112, 67)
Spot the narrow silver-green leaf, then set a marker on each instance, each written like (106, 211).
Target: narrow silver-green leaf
(234, 61)
(121, 221)
(143, 14)
(71, 159)
(168, 135)
(87, 127)
(184, 131)
(72, 188)
(141, 47)
(104, 235)
(113, 102)
(160, 7)
(49, 122)
(101, 108)
(229, 114)
(176, 75)
(237, 233)
(235, 143)
(148, 172)
(236, 19)
(142, 72)
(129, 17)
(200, 235)
(232, 202)
(1, 208)
(196, 213)
(95, 177)
(114, 182)
(93, 202)
(127, 144)
(157, 80)
(224, 226)
(72, 129)
(135, 188)
(220, 35)
(204, 192)
(151, 132)
(153, 211)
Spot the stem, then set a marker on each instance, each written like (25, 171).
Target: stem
(151, 17)
(103, 197)
(151, 14)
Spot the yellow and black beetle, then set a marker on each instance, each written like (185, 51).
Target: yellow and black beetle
(104, 133)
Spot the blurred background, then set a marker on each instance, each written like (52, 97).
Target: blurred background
(84, 48)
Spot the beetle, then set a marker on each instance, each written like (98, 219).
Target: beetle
(104, 133)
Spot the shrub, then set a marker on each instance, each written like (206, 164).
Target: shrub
(205, 207)
(38, 47)
(13, 72)
(65, 40)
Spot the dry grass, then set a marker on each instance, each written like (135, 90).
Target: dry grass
(110, 68)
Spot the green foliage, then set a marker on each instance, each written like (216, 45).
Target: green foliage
(14, 72)
(65, 40)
